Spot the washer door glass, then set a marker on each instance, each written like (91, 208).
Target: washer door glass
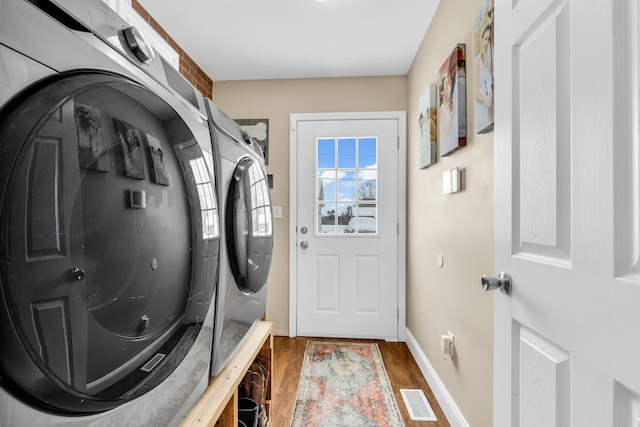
(250, 226)
(109, 229)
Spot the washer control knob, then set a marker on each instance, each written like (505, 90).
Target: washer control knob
(138, 45)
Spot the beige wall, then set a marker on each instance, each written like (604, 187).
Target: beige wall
(275, 100)
(459, 226)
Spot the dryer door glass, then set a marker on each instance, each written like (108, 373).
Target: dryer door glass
(109, 231)
(251, 226)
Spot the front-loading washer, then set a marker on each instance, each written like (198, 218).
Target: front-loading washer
(109, 232)
(246, 235)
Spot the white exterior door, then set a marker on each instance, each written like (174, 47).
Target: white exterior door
(347, 225)
(567, 213)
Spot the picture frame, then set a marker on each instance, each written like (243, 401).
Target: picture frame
(483, 35)
(427, 119)
(257, 129)
(158, 169)
(452, 102)
(131, 149)
(92, 149)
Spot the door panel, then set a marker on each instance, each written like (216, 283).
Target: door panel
(567, 339)
(47, 246)
(545, 374)
(544, 177)
(367, 283)
(327, 283)
(347, 220)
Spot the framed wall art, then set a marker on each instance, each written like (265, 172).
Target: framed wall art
(132, 151)
(427, 108)
(257, 129)
(483, 67)
(452, 102)
(158, 171)
(92, 149)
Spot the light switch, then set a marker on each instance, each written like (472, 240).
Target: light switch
(137, 199)
(455, 180)
(277, 212)
(451, 181)
(446, 182)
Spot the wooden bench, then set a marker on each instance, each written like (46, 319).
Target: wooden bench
(218, 406)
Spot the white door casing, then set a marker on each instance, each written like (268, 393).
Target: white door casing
(348, 284)
(567, 213)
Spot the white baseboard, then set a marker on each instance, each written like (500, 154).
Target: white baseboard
(280, 332)
(451, 411)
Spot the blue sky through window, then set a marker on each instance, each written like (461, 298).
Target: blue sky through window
(367, 157)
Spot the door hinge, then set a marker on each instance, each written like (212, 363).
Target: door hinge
(398, 314)
(398, 140)
(398, 228)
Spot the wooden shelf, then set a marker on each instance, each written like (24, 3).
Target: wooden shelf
(218, 406)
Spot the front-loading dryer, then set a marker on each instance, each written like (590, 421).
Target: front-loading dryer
(246, 234)
(109, 234)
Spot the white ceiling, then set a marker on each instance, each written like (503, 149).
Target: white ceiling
(283, 39)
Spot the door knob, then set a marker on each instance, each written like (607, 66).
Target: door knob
(304, 230)
(304, 245)
(77, 274)
(502, 282)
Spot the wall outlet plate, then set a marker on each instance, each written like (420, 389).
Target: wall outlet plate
(447, 344)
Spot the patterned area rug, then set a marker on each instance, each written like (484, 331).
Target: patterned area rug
(344, 384)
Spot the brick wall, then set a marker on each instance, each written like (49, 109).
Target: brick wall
(188, 68)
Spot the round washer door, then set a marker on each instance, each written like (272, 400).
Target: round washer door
(249, 226)
(109, 237)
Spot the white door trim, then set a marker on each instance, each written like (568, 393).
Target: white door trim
(401, 117)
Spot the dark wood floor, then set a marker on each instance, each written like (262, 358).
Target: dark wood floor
(401, 368)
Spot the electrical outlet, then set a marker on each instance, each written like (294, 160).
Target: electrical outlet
(447, 344)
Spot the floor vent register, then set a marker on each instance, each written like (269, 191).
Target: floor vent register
(417, 405)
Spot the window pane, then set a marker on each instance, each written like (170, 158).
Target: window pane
(367, 224)
(327, 214)
(326, 186)
(326, 153)
(367, 221)
(346, 153)
(346, 217)
(368, 185)
(346, 186)
(367, 153)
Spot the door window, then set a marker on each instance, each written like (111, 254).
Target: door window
(347, 186)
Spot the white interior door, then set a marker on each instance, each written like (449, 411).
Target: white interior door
(567, 339)
(347, 227)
